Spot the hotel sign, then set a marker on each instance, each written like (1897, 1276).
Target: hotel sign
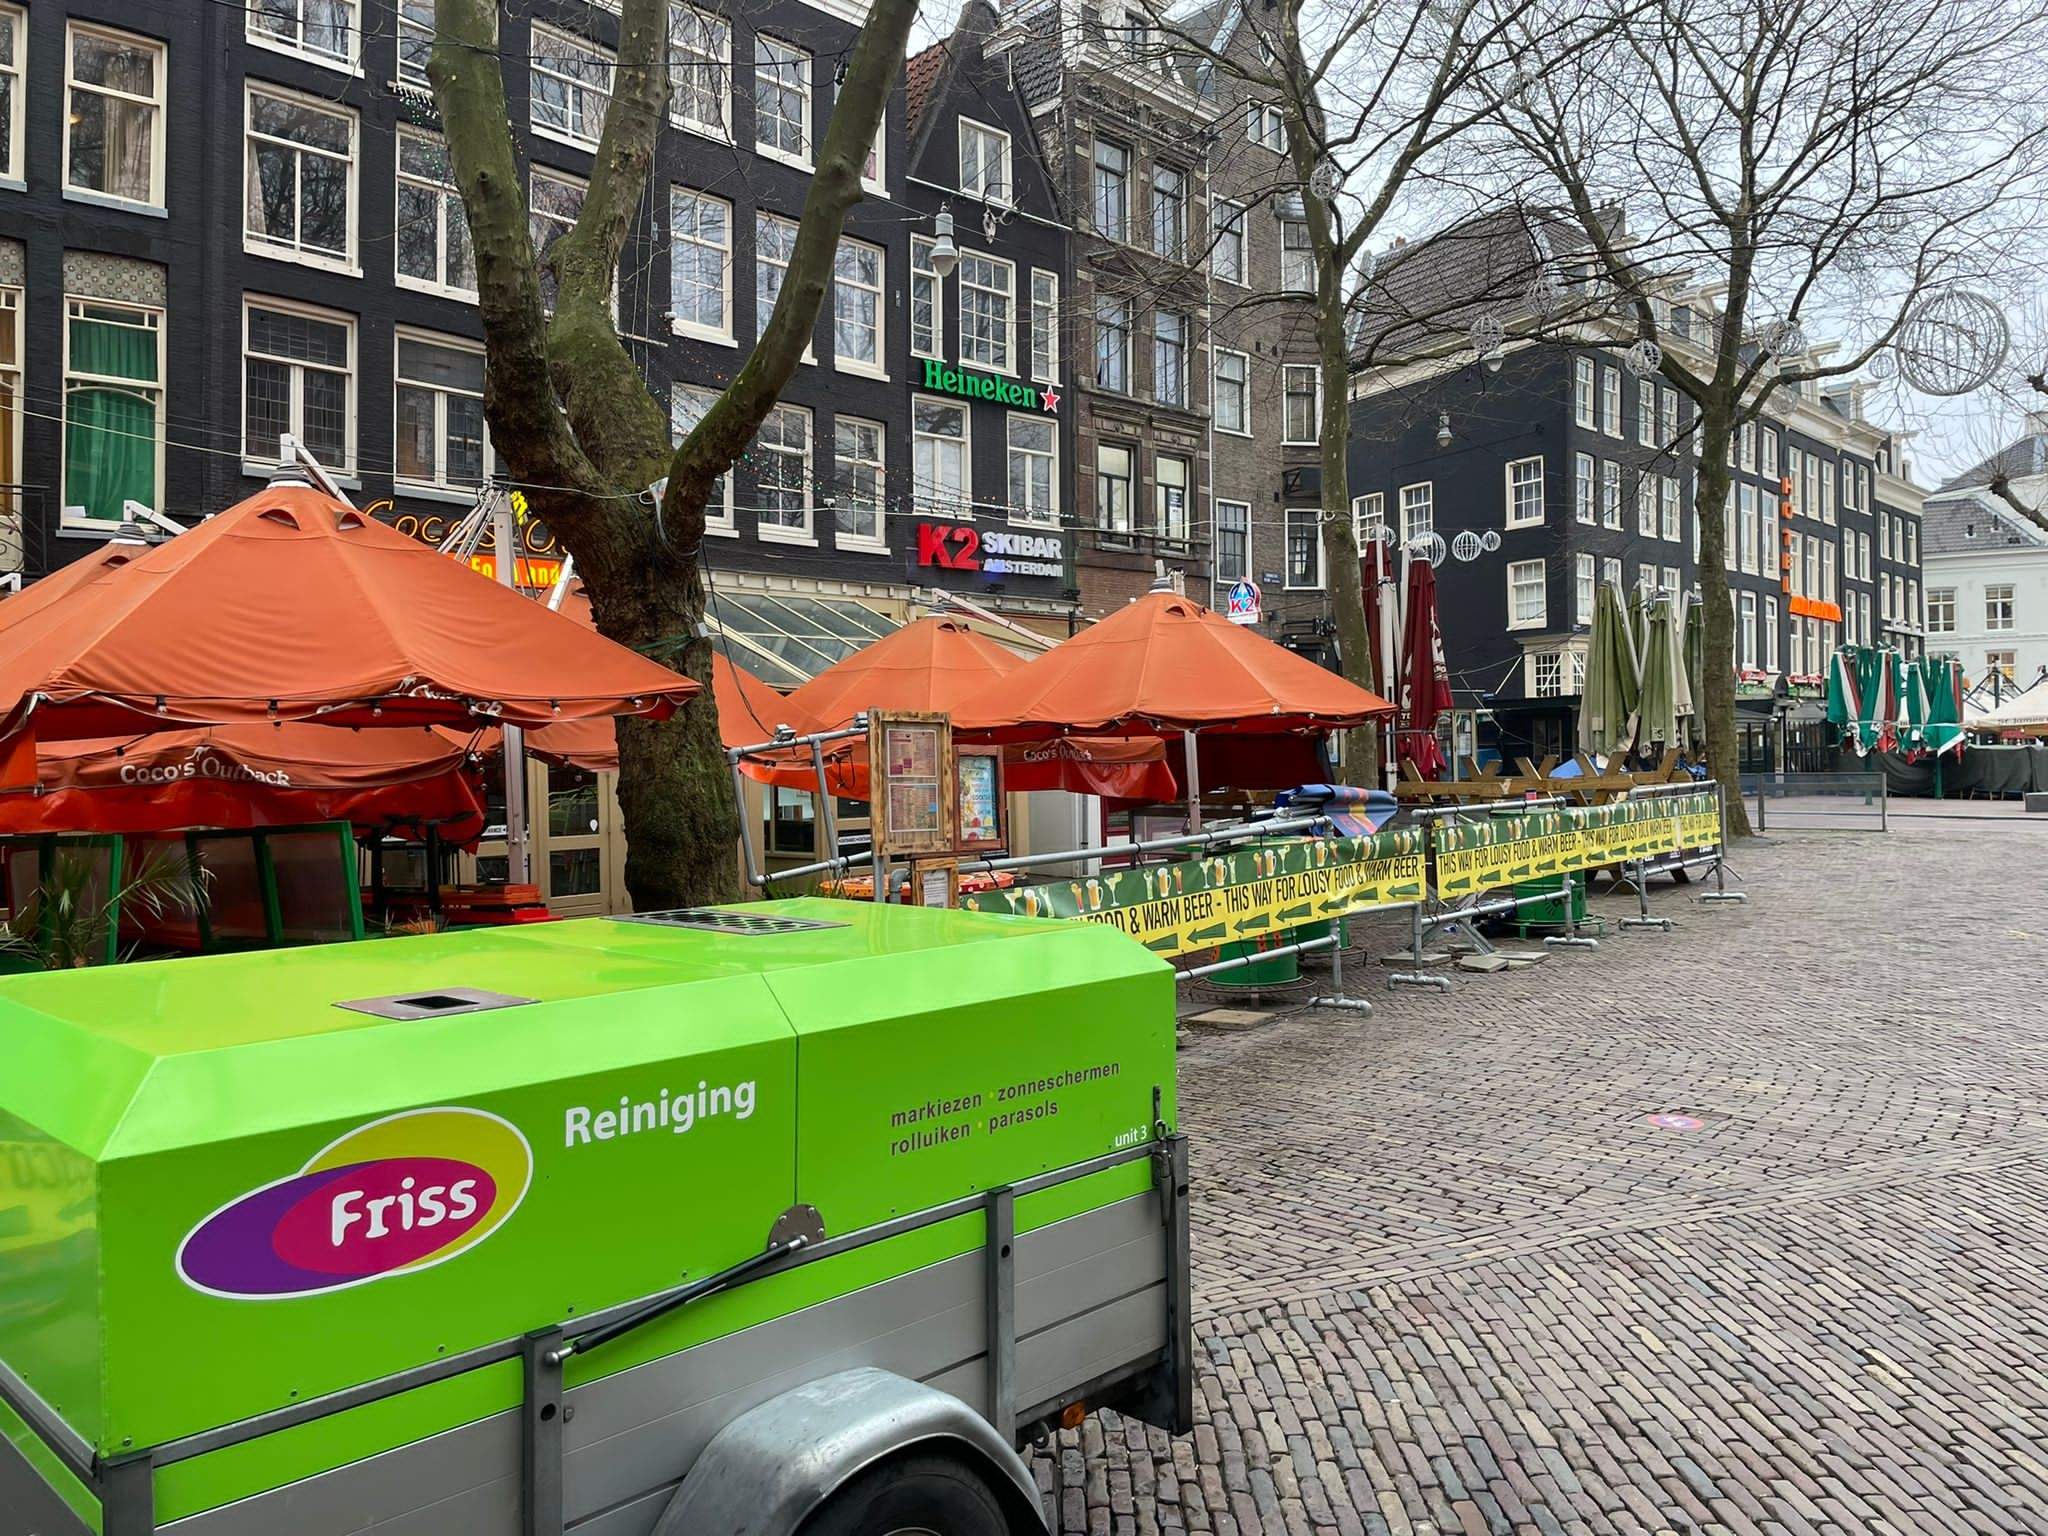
(969, 384)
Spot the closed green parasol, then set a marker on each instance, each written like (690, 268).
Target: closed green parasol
(1663, 675)
(1607, 709)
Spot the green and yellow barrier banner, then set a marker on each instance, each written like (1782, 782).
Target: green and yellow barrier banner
(1261, 888)
(1474, 855)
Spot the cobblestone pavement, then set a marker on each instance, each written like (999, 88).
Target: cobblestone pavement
(1449, 1277)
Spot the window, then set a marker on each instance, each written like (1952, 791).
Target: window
(1795, 646)
(782, 101)
(1667, 401)
(113, 409)
(1233, 391)
(441, 443)
(1941, 610)
(1668, 494)
(1170, 358)
(938, 457)
(927, 314)
(774, 243)
(572, 85)
(1113, 488)
(1034, 470)
(1813, 587)
(1304, 403)
(1671, 579)
(554, 202)
(321, 30)
(1233, 540)
(1770, 623)
(1610, 571)
(1828, 590)
(857, 307)
(782, 472)
(987, 321)
(1610, 401)
(1418, 511)
(1113, 344)
(1297, 260)
(858, 475)
(1112, 190)
(1745, 446)
(1368, 517)
(1998, 607)
(1913, 603)
(687, 405)
(1646, 414)
(1526, 604)
(298, 376)
(1170, 497)
(1304, 547)
(1045, 326)
(1546, 674)
(2002, 661)
(13, 51)
(113, 117)
(984, 162)
(700, 72)
(1827, 490)
(415, 39)
(434, 252)
(1585, 590)
(1226, 249)
(1265, 127)
(1169, 211)
(1746, 602)
(301, 179)
(1582, 392)
(1745, 525)
(1795, 580)
(1525, 492)
(1610, 494)
(1770, 457)
(699, 264)
(1582, 487)
(1912, 533)
(1646, 504)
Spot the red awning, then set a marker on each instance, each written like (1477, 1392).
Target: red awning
(294, 606)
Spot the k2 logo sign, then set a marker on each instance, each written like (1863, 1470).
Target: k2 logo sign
(954, 546)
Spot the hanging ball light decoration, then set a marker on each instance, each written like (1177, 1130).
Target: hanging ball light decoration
(1953, 343)
(1467, 546)
(1322, 181)
(1430, 547)
(1376, 533)
(1643, 359)
(1884, 365)
(1488, 335)
(1545, 295)
(1490, 540)
(1781, 338)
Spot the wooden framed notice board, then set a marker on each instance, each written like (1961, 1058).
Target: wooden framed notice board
(912, 798)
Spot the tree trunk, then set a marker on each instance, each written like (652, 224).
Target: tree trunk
(1716, 700)
(1356, 653)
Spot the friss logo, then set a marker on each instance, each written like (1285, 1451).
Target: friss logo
(390, 1198)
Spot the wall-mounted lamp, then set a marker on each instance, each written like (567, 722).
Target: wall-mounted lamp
(1443, 429)
(945, 254)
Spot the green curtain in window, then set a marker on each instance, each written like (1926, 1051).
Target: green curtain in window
(109, 451)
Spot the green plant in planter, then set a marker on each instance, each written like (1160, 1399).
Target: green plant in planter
(65, 922)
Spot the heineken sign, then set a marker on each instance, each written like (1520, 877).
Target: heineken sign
(970, 385)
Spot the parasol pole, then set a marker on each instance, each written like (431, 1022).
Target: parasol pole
(1194, 781)
(518, 855)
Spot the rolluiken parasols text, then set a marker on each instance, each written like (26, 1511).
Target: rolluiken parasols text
(942, 1120)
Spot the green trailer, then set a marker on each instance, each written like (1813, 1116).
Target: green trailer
(797, 1216)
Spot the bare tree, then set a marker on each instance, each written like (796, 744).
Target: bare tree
(572, 418)
(1826, 166)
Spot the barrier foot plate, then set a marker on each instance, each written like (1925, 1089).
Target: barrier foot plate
(1418, 979)
(1347, 1004)
(1725, 896)
(1663, 923)
(1561, 941)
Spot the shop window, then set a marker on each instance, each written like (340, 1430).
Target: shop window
(700, 72)
(113, 118)
(792, 821)
(939, 449)
(298, 376)
(441, 442)
(434, 250)
(113, 409)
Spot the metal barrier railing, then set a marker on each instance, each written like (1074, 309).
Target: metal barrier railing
(1827, 802)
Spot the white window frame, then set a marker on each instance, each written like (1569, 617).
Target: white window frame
(257, 244)
(800, 60)
(1667, 412)
(409, 17)
(1128, 479)
(879, 368)
(2001, 595)
(440, 488)
(1179, 398)
(1646, 504)
(348, 62)
(1241, 529)
(1315, 516)
(1045, 326)
(1367, 510)
(1123, 386)
(580, 132)
(1585, 490)
(1159, 526)
(1002, 193)
(925, 495)
(876, 543)
(1942, 601)
(264, 466)
(781, 533)
(718, 510)
(923, 273)
(1297, 262)
(717, 59)
(971, 347)
(1518, 585)
(1546, 674)
(1287, 396)
(722, 333)
(1769, 620)
(448, 207)
(1097, 173)
(154, 320)
(1585, 406)
(1610, 494)
(1585, 589)
(1520, 475)
(1244, 360)
(1266, 126)
(1610, 401)
(1025, 516)
(762, 217)
(1671, 524)
(1229, 231)
(1170, 243)
(1646, 414)
(15, 70)
(72, 85)
(1425, 502)
(1745, 607)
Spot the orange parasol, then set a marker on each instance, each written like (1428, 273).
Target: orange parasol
(295, 606)
(1166, 663)
(937, 663)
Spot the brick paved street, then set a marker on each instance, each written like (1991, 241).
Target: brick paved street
(1450, 1279)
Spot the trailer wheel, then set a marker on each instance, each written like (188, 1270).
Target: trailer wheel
(925, 1493)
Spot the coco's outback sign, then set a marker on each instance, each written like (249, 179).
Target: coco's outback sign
(1475, 855)
(1173, 909)
(969, 384)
